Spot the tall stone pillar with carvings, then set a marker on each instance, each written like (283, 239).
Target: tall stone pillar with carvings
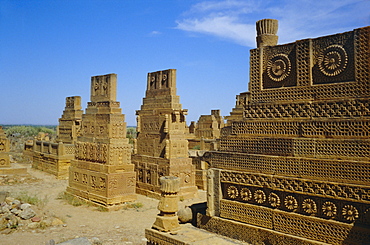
(102, 172)
(162, 147)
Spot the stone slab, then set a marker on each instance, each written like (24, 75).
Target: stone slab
(188, 234)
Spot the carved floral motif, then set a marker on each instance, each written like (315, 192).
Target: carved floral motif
(309, 206)
(279, 67)
(329, 209)
(291, 203)
(259, 196)
(274, 200)
(245, 194)
(350, 212)
(232, 192)
(333, 60)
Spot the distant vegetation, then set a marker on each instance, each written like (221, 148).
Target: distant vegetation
(131, 134)
(28, 131)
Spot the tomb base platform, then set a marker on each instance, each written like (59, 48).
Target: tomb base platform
(108, 190)
(106, 204)
(259, 235)
(13, 170)
(187, 234)
(187, 192)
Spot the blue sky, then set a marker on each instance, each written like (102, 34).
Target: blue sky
(49, 49)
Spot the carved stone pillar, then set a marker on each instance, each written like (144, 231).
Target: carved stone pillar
(266, 32)
(167, 219)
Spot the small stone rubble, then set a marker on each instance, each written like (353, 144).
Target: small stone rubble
(15, 214)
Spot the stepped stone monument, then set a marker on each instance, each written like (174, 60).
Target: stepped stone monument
(4, 149)
(203, 137)
(295, 169)
(70, 122)
(55, 157)
(6, 167)
(161, 145)
(101, 172)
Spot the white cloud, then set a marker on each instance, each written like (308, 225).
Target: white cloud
(155, 33)
(221, 26)
(235, 19)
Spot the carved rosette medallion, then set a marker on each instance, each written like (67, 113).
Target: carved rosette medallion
(350, 213)
(187, 178)
(309, 206)
(279, 67)
(274, 200)
(291, 203)
(232, 192)
(329, 209)
(259, 196)
(333, 60)
(245, 194)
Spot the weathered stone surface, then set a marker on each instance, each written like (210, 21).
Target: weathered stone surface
(296, 145)
(24, 206)
(4, 149)
(3, 195)
(185, 214)
(167, 219)
(161, 145)
(36, 219)
(77, 241)
(16, 203)
(102, 172)
(27, 213)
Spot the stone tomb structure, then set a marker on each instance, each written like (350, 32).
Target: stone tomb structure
(6, 167)
(70, 122)
(55, 157)
(161, 145)
(203, 137)
(296, 168)
(4, 149)
(101, 172)
(204, 133)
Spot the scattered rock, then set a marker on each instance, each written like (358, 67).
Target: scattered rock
(27, 214)
(56, 221)
(50, 242)
(77, 241)
(33, 225)
(95, 241)
(185, 214)
(16, 203)
(25, 206)
(3, 223)
(9, 200)
(36, 219)
(3, 195)
(16, 211)
(12, 221)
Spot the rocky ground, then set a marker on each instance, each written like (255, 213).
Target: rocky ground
(59, 221)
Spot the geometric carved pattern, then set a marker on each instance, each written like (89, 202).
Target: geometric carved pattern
(348, 171)
(295, 157)
(340, 191)
(314, 148)
(323, 208)
(350, 108)
(290, 223)
(333, 128)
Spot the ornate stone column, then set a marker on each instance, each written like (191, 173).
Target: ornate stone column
(266, 32)
(167, 219)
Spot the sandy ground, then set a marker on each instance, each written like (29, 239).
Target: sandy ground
(124, 226)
